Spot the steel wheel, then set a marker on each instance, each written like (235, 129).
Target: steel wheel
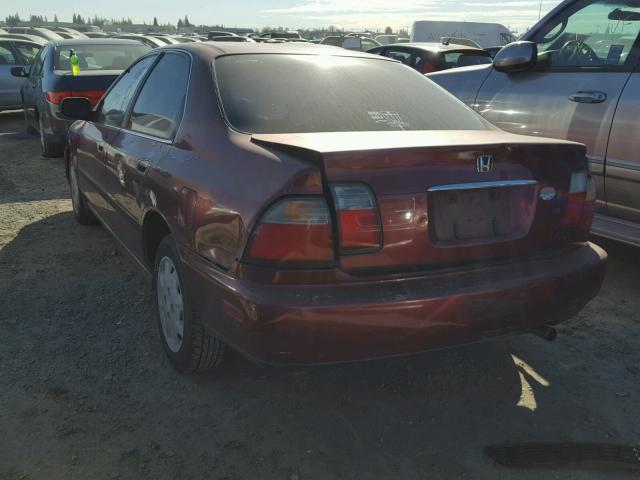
(170, 304)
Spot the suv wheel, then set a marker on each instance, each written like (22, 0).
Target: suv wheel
(188, 345)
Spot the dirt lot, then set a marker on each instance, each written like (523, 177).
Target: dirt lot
(86, 392)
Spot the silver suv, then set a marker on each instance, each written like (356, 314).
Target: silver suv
(575, 75)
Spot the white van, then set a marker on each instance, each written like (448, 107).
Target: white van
(484, 34)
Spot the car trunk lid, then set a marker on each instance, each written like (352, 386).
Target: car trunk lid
(448, 196)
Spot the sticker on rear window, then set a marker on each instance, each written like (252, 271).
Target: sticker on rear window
(392, 119)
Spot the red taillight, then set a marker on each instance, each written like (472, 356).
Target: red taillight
(294, 230)
(358, 219)
(93, 96)
(57, 97)
(581, 201)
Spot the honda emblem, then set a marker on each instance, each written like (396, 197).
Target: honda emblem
(484, 163)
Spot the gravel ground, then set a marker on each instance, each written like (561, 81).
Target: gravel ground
(86, 392)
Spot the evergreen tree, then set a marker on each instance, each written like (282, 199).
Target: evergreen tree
(55, 18)
(186, 21)
(180, 24)
(155, 21)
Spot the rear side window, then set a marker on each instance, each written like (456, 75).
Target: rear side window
(116, 101)
(401, 56)
(158, 109)
(99, 57)
(323, 93)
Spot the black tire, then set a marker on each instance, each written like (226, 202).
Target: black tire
(81, 211)
(49, 150)
(30, 129)
(198, 351)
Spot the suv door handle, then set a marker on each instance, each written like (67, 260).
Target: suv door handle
(588, 97)
(143, 166)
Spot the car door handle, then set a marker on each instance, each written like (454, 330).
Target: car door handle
(143, 166)
(588, 97)
(101, 148)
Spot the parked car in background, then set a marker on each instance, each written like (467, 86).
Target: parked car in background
(386, 39)
(49, 80)
(493, 50)
(350, 42)
(36, 31)
(67, 32)
(21, 36)
(149, 41)
(167, 40)
(327, 218)
(484, 34)
(575, 76)
(14, 53)
(432, 57)
(281, 35)
(96, 34)
(232, 39)
(219, 33)
(185, 39)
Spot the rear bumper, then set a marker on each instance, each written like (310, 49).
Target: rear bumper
(289, 324)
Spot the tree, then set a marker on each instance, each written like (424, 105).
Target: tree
(13, 20)
(155, 21)
(180, 24)
(186, 21)
(55, 18)
(388, 31)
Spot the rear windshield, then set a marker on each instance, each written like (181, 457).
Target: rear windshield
(99, 57)
(275, 93)
(465, 59)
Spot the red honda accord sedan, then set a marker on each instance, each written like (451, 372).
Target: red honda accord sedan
(305, 204)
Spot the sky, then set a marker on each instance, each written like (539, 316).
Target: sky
(349, 14)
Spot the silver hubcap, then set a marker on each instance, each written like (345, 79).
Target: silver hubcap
(170, 304)
(75, 192)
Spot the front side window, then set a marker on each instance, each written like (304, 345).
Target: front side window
(28, 51)
(158, 109)
(324, 93)
(116, 101)
(6, 56)
(590, 34)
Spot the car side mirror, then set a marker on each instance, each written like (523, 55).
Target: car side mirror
(516, 56)
(352, 43)
(19, 72)
(78, 108)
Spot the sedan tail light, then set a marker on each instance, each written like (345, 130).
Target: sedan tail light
(93, 96)
(294, 230)
(358, 220)
(581, 201)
